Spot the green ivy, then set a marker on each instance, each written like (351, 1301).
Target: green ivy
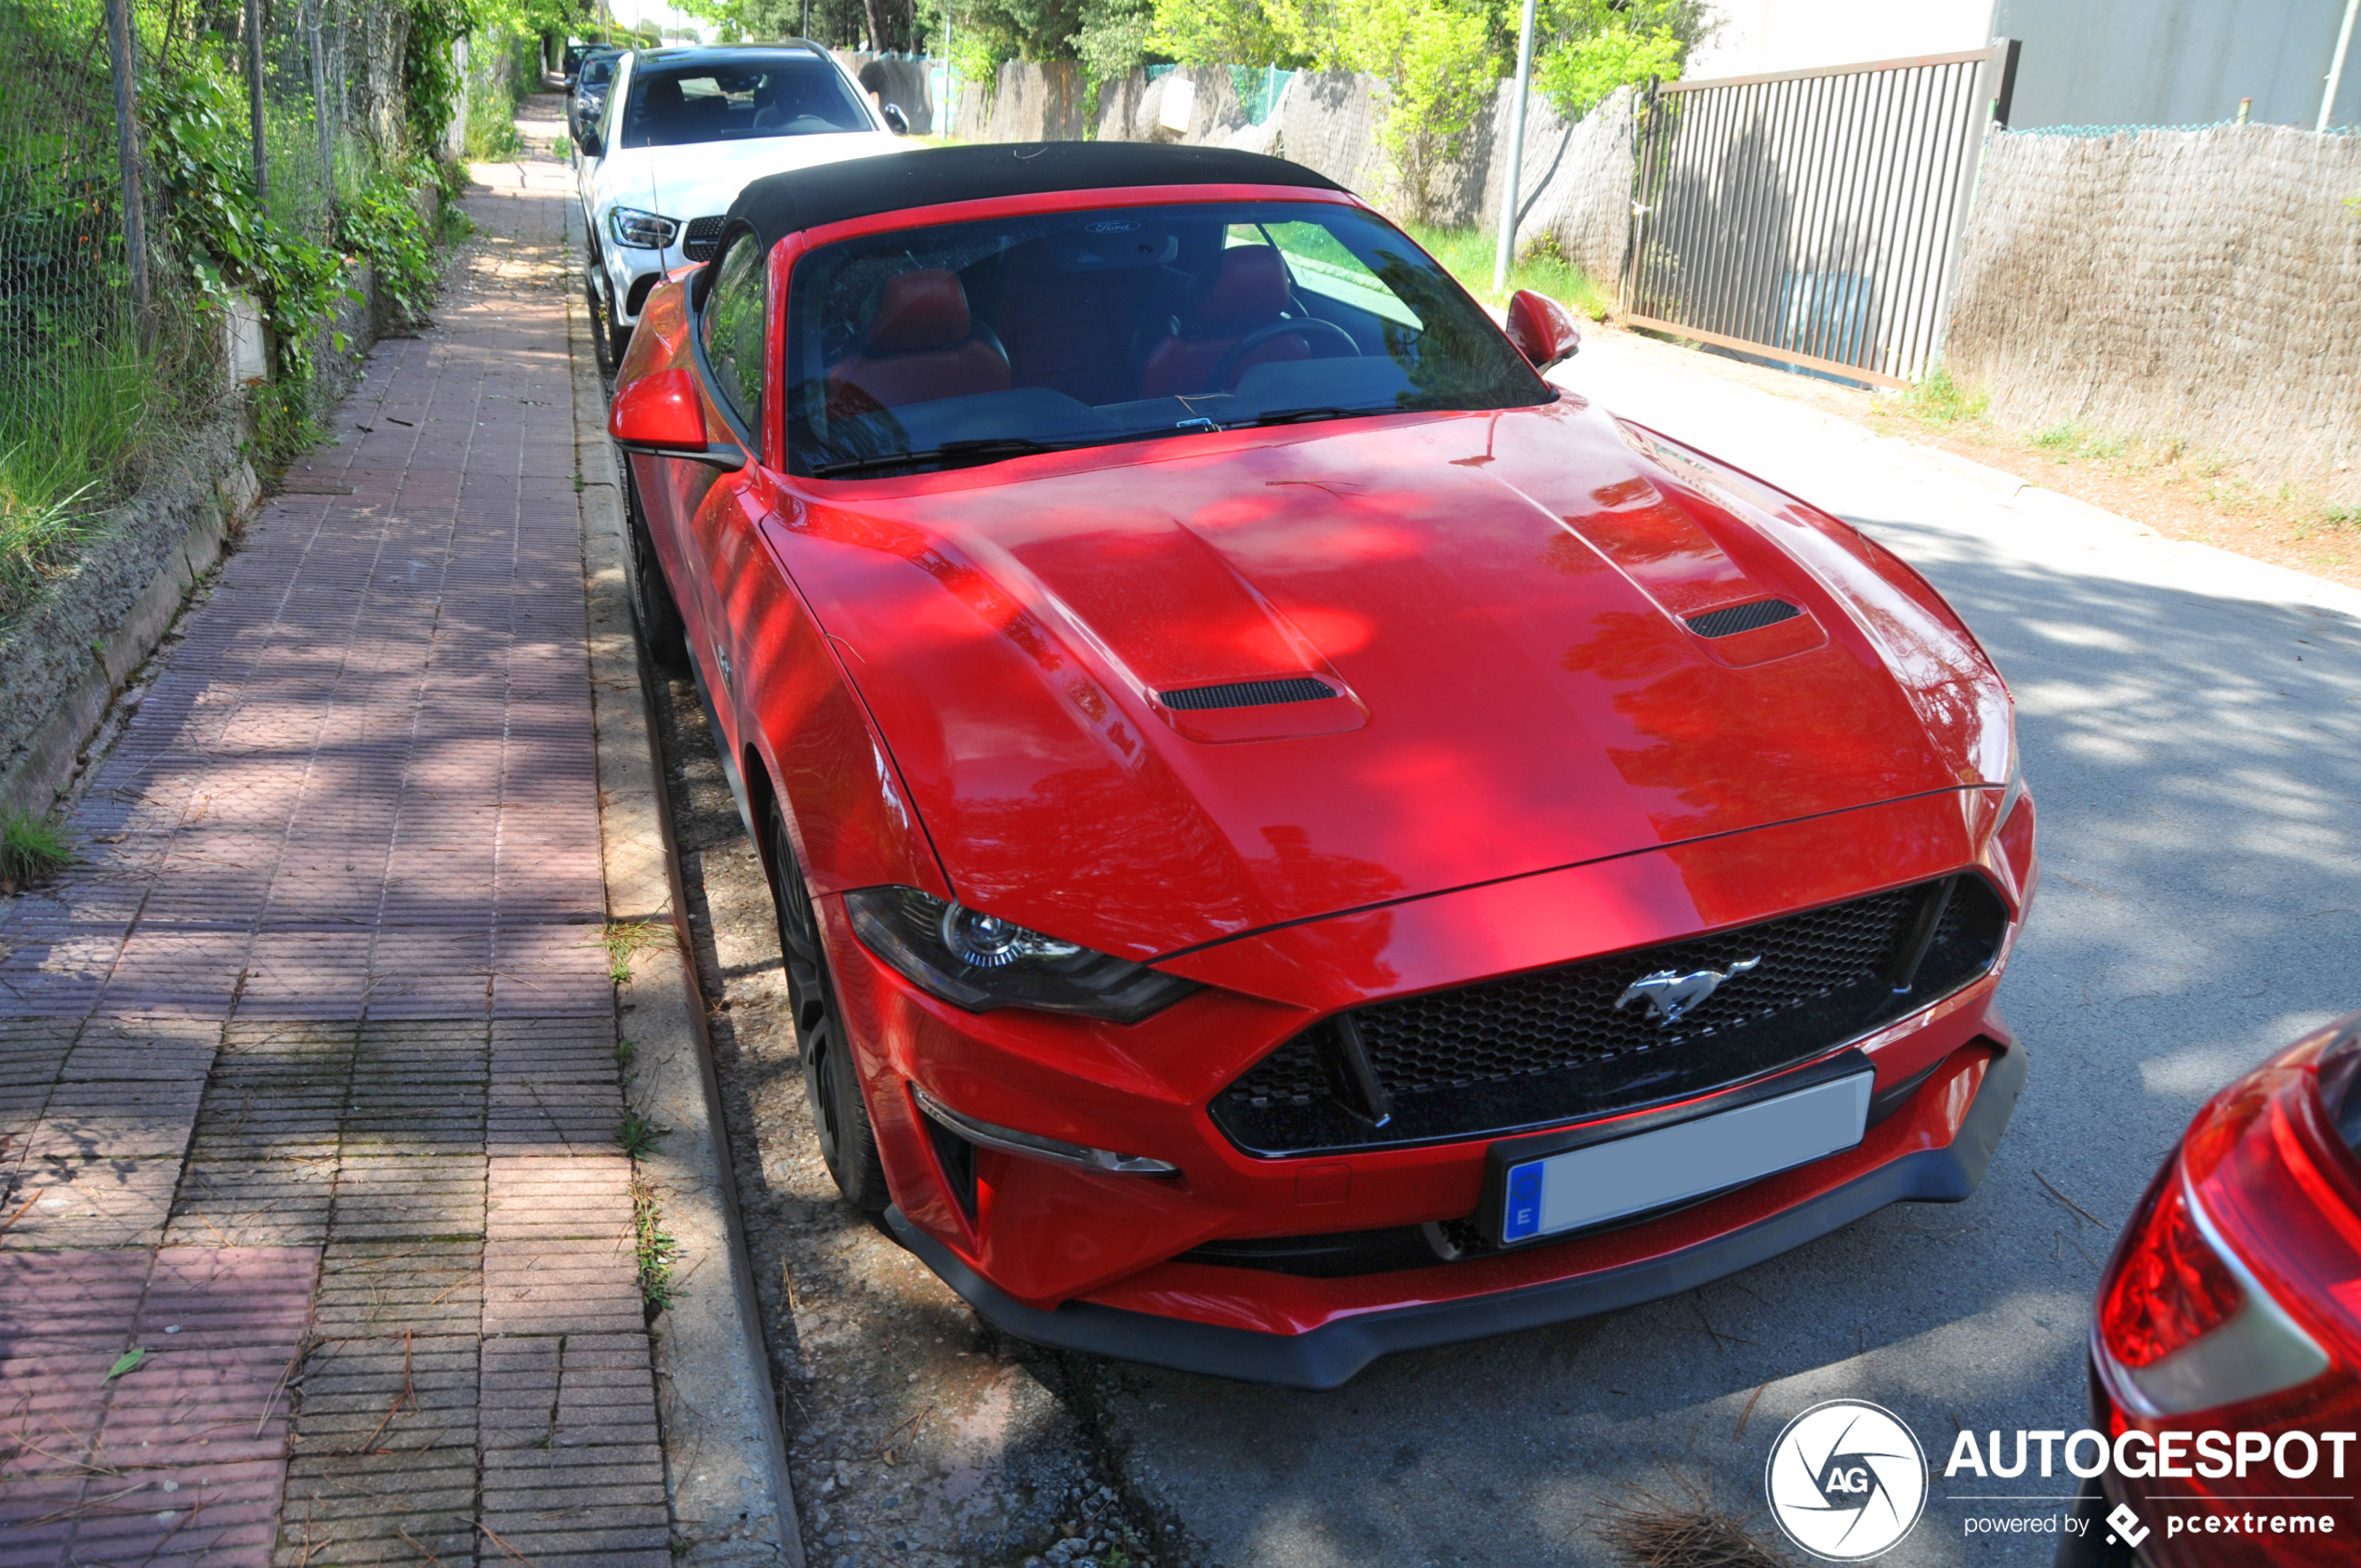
(194, 126)
(435, 85)
(381, 223)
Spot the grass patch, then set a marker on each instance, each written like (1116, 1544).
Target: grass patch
(32, 850)
(1938, 399)
(621, 939)
(655, 1249)
(1468, 255)
(75, 421)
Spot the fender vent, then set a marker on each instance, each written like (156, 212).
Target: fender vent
(1249, 693)
(703, 239)
(1743, 617)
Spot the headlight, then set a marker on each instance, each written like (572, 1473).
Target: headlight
(640, 231)
(980, 961)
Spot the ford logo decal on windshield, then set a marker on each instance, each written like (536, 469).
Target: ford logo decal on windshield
(1110, 226)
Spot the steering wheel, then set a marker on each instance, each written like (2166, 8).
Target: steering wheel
(1308, 326)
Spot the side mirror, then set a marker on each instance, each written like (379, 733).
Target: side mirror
(662, 415)
(1543, 330)
(588, 141)
(896, 121)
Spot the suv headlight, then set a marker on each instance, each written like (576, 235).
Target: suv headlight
(640, 231)
(980, 961)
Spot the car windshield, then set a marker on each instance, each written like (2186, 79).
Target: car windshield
(964, 343)
(738, 97)
(598, 71)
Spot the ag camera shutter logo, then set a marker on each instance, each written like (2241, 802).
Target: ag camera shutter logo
(1846, 1481)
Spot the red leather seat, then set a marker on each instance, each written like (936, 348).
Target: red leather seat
(923, 345)
(1249, 289)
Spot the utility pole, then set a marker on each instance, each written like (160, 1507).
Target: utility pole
(1516, 155)
(2336, 66)
(254, 102)
(127, 152)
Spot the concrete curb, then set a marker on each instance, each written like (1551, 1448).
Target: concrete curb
(725, 1455)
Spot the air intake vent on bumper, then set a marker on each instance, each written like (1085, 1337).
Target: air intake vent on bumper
(703, 239)
(1249, 693)
(1737, 618)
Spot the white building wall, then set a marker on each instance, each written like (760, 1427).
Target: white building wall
(1765, 35)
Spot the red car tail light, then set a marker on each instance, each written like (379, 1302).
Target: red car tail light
(2240, 1274)
(2170, 1288)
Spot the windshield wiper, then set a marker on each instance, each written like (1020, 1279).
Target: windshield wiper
(987, 449)
(1306, 416)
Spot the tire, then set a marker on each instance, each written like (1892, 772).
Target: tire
(656, 615)
(840, 1114)
(605, 341)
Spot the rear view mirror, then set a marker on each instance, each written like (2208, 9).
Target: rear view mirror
(1543, 330)
(896, 121)
(662, 415)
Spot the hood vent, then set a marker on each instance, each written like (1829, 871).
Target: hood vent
(1249, 693)
(1737, 618)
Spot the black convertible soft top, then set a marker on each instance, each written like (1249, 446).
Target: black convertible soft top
(780, 205)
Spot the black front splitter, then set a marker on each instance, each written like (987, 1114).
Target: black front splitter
(1331, 1354)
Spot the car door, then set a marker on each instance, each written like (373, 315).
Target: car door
(728, 343)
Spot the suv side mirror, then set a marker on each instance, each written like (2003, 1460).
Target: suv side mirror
(587, 139)
(896, 121)
(662, 415)
(1543, 330)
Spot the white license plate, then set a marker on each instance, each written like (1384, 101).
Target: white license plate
(1603, 1181)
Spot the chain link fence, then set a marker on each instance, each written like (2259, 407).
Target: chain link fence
(106, 349)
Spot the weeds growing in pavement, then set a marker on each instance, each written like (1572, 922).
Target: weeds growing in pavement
(624, 938)
(637, 1135)
(655, 1247)
(32, 849)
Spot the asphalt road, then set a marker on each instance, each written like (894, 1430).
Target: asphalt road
(2191, 723)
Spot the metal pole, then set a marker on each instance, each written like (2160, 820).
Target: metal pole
(123, 61)
(254, 102)
(1516, 154)
(2336, 66)
(319, 108)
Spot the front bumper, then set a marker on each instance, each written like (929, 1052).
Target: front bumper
(1328, 1355)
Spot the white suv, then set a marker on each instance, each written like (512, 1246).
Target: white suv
(684, 130)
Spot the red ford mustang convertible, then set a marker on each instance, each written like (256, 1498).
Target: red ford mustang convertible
(1293, 837)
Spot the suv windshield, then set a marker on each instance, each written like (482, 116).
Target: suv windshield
(964, 343)
(598, 71)
(737, 98)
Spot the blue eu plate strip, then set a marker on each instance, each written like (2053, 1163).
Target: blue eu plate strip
(1523, 1217)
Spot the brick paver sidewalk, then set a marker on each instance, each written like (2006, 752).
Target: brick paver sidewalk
(308, 1077)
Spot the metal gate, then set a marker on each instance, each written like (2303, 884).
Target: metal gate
(1812, 216)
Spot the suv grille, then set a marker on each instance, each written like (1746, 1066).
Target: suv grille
(703, 239)
(1549, 1047)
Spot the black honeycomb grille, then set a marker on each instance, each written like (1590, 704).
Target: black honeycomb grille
(1737, 618)
(1249, 693)
(703, 239)
(1552, 1045)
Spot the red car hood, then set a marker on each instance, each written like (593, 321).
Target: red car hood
(1497, 599)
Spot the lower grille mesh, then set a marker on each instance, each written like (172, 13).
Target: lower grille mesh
(1552, 1045)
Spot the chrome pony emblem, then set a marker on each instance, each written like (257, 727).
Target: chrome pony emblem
(1675, 996)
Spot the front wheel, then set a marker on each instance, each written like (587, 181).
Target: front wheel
(839, 1116)
(607, 340)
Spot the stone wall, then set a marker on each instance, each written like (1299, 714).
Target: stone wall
(2191, 284)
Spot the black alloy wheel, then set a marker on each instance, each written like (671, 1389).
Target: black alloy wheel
(839, 1117)
(656, 615)
(607, 341)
